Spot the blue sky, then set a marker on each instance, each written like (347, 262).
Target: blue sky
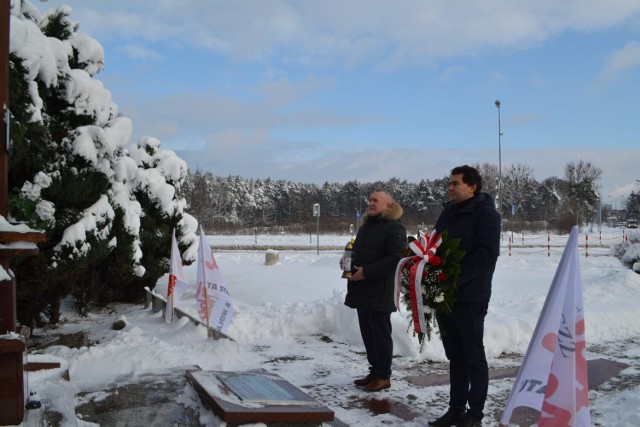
(335, 91)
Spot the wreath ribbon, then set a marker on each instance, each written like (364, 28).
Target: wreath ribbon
(424, 248)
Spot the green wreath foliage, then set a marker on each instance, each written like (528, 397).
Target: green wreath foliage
(439, 282)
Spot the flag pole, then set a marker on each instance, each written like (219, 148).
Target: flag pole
(173, 237)
(206, 304)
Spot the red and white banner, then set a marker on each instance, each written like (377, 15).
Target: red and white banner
(177, 282)
(424, 248)
(215, 306)
(553, 376)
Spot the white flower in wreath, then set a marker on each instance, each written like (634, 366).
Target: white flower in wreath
(439, 298)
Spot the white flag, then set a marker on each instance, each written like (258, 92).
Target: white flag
(553, 376)
(177, 283)
(215, 306)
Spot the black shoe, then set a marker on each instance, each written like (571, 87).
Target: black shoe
(469, 420)
(450, 418)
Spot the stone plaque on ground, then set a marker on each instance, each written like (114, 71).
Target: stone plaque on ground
(256, 396)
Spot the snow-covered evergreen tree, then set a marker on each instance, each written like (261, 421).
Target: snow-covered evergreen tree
(107, 211)
(633, 205)
(583, 177)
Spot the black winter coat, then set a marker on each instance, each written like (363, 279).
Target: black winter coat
(477, 224)
(378, 248)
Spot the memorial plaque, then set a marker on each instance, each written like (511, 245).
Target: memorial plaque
(256, 388)
(256, 396)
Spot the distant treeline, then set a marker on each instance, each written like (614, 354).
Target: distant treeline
(234, 204)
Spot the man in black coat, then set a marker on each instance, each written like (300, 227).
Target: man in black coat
(470, 216)
(376, 252)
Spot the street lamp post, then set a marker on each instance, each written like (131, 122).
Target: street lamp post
(499, 161)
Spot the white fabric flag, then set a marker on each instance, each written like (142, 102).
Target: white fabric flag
(215, 306)
(177, 282)
(553, 375)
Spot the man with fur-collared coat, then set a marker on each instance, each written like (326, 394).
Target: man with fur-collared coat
(377, 249)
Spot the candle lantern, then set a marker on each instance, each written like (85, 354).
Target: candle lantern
(347, 257)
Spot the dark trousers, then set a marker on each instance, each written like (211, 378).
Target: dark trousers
(462, 333)
(375, 328)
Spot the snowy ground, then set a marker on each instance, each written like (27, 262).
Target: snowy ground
(291, 321)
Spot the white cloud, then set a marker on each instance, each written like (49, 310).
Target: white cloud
(621, 60)
(338, 32)
(272, 115)
(140, 52)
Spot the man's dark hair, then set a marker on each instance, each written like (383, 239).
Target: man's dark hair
(470, 176)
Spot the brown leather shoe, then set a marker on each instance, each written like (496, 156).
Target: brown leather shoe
(361, 382)
(378, 384)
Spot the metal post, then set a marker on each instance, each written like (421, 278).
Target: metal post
(5, 6)
(600, 214)
(7, 287)
(316, 213)
(499, 160)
